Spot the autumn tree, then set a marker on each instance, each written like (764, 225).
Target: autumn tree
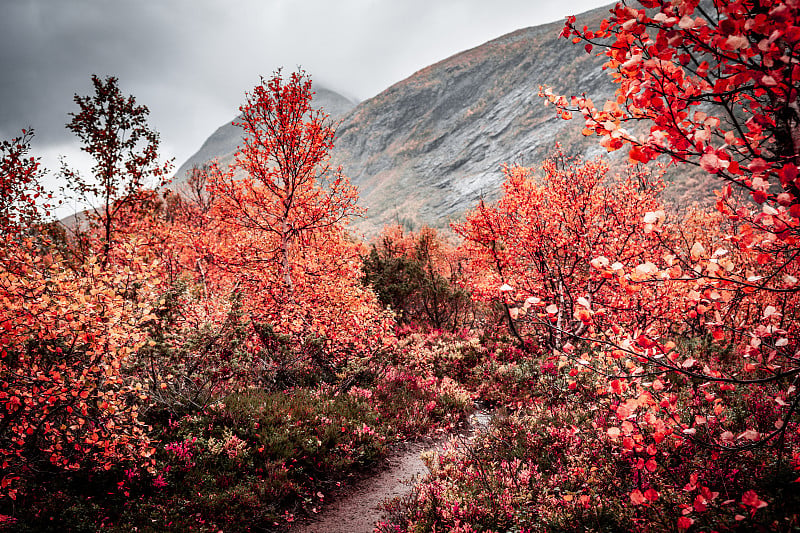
(114, 131)
(529, 250)
(290, 188)
(22, 197)
(277, 226)
(710, 84)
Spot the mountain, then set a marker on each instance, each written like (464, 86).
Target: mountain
(224, 142)
(427, 148)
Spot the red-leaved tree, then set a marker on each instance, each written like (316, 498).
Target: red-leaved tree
(114, 131)
(715, 85)
(20, 189)
(529, 250)
(277, 224)
(290, 188)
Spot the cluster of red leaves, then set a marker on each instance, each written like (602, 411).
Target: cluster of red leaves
(66, 334)
(717, 83)
(20, 191)
(529, 251)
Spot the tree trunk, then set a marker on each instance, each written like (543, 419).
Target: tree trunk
(287, 267)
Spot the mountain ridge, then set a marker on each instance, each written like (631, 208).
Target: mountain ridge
(427, 148)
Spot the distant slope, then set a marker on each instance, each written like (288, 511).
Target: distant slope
(427, 148)
(224, 142)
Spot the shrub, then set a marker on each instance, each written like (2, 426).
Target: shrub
(419, 277)
(557, 465)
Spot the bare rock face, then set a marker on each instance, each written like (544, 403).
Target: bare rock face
(427, 148)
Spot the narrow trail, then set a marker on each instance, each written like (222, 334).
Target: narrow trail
(358, 510)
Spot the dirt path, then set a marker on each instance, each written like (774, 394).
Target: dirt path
(359, 509)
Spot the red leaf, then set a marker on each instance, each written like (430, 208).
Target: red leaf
(637, 497)
(759, 196)
(751, 498)
(651, 494)
(757, 165)
(710, 163)
(638, 155)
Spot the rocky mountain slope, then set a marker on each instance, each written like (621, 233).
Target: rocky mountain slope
(427, 148)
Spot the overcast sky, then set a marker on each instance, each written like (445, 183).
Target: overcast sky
(190, 61)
